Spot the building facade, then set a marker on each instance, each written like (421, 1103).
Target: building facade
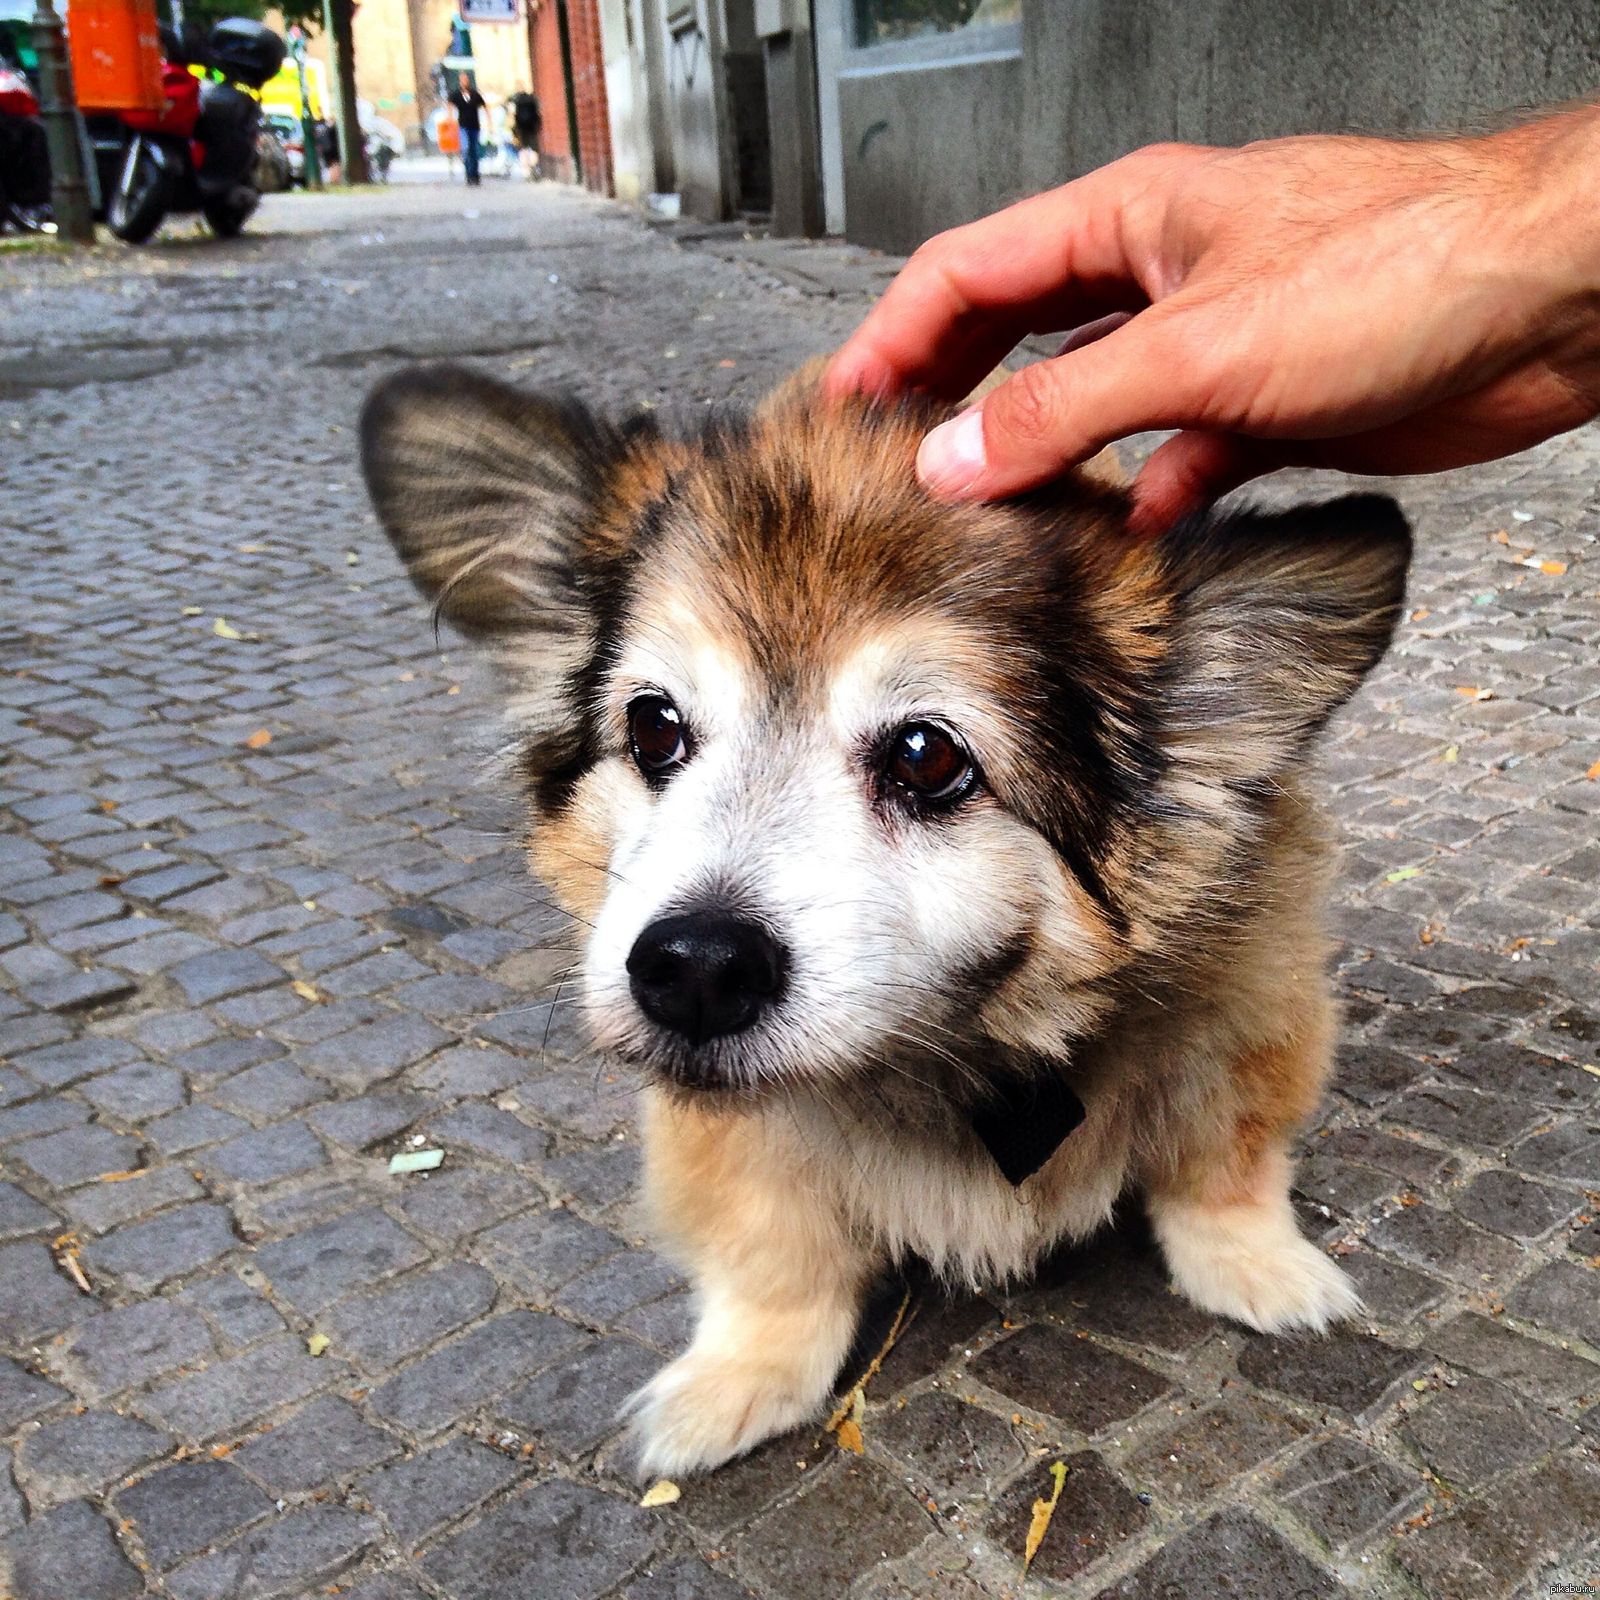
(889, 120)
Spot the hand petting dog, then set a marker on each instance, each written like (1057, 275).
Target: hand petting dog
(1372, 305)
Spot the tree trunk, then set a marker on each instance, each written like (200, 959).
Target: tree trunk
(352, 147)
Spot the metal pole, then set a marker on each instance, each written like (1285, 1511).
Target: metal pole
(176, 7)
(69, 190)
(310, 155)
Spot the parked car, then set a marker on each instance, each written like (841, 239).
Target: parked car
(272, 174)
(289, 133)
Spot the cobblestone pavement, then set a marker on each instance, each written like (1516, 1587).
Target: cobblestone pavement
(239, 974)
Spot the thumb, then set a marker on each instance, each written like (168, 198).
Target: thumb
(1054, 414)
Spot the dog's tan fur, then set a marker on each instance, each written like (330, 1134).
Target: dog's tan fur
(1166, 947)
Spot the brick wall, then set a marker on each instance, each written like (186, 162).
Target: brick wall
(589, 90)
(544, 44)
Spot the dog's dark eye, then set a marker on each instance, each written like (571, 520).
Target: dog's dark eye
(930, 761)
(656, 735)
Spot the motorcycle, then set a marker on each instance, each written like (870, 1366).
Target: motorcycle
(199, 152)
(24, 157)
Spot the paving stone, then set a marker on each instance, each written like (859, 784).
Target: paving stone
(461, 1200)
(367, 1055)
(285, 1150)
(77, 1155)
(1463, 1116)
(1498, 1540)
(229, 1395)
(289, 1558)
(57, 1065)
(155, 887)
(664, 1325)
(125, 1347)
(555, 1538)
(359, 1124)
(470, 1070)
(1564, 1297)
(574, 1405)
(1095, 1515)
(1390, 1292)
(38, 1300)
(419, 1496)
(45, 1115)
(83, 1454)
(220, 973)
(323, 1443)
(849, 1521)
(23, 1395)
(540, 1251)
(136, 1093)
(1516, 1207)
(949, 1449)
(597, 1178)
(472, 1371)
(1438, 1240)
(314, 1268)
(226, 1059)
(273, 1089)
(185, 1507)
(609, 1291)
(1345, 1491)
(239, 1315)
(943, 1326)
(193, 1128)
(382, 1329)
(1570, 1150)
(580, 1101)
(144, 1255)
(69, 1554)
(686, 1578)
(20, 1214)
(1048, 1369)
(13, 1511)
(1536, 1370)
(1346, 1369)
(1479, 1429)
(1231, 1553)
(386, 1586)
(489, 1131)
(1210, 1447)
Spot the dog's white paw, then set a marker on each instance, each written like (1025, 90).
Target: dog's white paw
(1250, 1263)
(704, 1410)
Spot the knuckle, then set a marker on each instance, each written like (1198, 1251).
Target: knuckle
(1031, 406)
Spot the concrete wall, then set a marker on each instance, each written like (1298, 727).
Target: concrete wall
(914, 149)
(696, 110)
(927, 148)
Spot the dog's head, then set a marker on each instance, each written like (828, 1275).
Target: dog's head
(840, 777)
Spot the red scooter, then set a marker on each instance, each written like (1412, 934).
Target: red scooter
(198, 152)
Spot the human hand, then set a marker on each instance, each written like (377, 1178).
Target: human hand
(1372, 305)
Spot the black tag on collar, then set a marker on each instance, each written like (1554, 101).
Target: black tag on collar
(1024, 1121)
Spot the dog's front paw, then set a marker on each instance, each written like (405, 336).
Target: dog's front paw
(704, 1410)
(1250, 1263)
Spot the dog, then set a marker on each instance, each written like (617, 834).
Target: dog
(947, 870)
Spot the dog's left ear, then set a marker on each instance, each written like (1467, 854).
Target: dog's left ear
(489, 496)
(1280, 618)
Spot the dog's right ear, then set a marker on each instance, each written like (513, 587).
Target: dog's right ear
(488, 495)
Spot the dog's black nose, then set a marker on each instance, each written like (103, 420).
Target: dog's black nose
(705, 973)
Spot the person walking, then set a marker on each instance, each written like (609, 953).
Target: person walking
(469, 108)
(527, 123)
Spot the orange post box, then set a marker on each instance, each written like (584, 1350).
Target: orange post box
(449, 136)
(116, 54)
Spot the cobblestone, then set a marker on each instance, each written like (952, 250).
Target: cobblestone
(155, 1020)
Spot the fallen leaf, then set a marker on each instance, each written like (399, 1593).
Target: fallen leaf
(225, 630)
(853, 1406)
(1043, 1511)
(1502, 537)
(258, 740)
(66, 1249)
(664, 1492)
(848, 1434)
(1594, 772)
(317, 1343)
(109, 880)
(1590, 1067)
(108, 805)
(1472, 692)
(1403, 875)
(1553, 569)
(118, 1177)
(305, 990)
(1453, 754)
(416, 1161)
(250, 549)
(351, 558)
(727, 363)
(1422, 613)
(193, 611)
(455, 688)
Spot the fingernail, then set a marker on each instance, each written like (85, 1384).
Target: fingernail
(952, 458)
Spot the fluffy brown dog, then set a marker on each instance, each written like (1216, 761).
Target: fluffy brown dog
(947, 868)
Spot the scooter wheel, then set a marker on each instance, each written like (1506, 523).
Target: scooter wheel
(228, 216)
(143, 194)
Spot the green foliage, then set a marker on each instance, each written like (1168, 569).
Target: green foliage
(205, 14)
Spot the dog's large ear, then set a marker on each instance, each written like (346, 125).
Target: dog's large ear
(488, 494)
(1280, 618)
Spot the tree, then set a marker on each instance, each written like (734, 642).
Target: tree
(341, 31)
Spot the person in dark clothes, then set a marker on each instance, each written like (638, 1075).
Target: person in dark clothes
(470, 106)
(527, 121)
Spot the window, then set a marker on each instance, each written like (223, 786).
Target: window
(888, 21)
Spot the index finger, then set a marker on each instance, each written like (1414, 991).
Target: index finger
(967, 296)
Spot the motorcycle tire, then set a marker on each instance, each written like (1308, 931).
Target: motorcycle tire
(142, 197)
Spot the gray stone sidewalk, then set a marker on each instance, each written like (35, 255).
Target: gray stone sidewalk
(237, 972)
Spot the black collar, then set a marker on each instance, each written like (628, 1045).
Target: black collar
(1025, 1118)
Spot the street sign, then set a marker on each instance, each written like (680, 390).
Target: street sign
(474, 11)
